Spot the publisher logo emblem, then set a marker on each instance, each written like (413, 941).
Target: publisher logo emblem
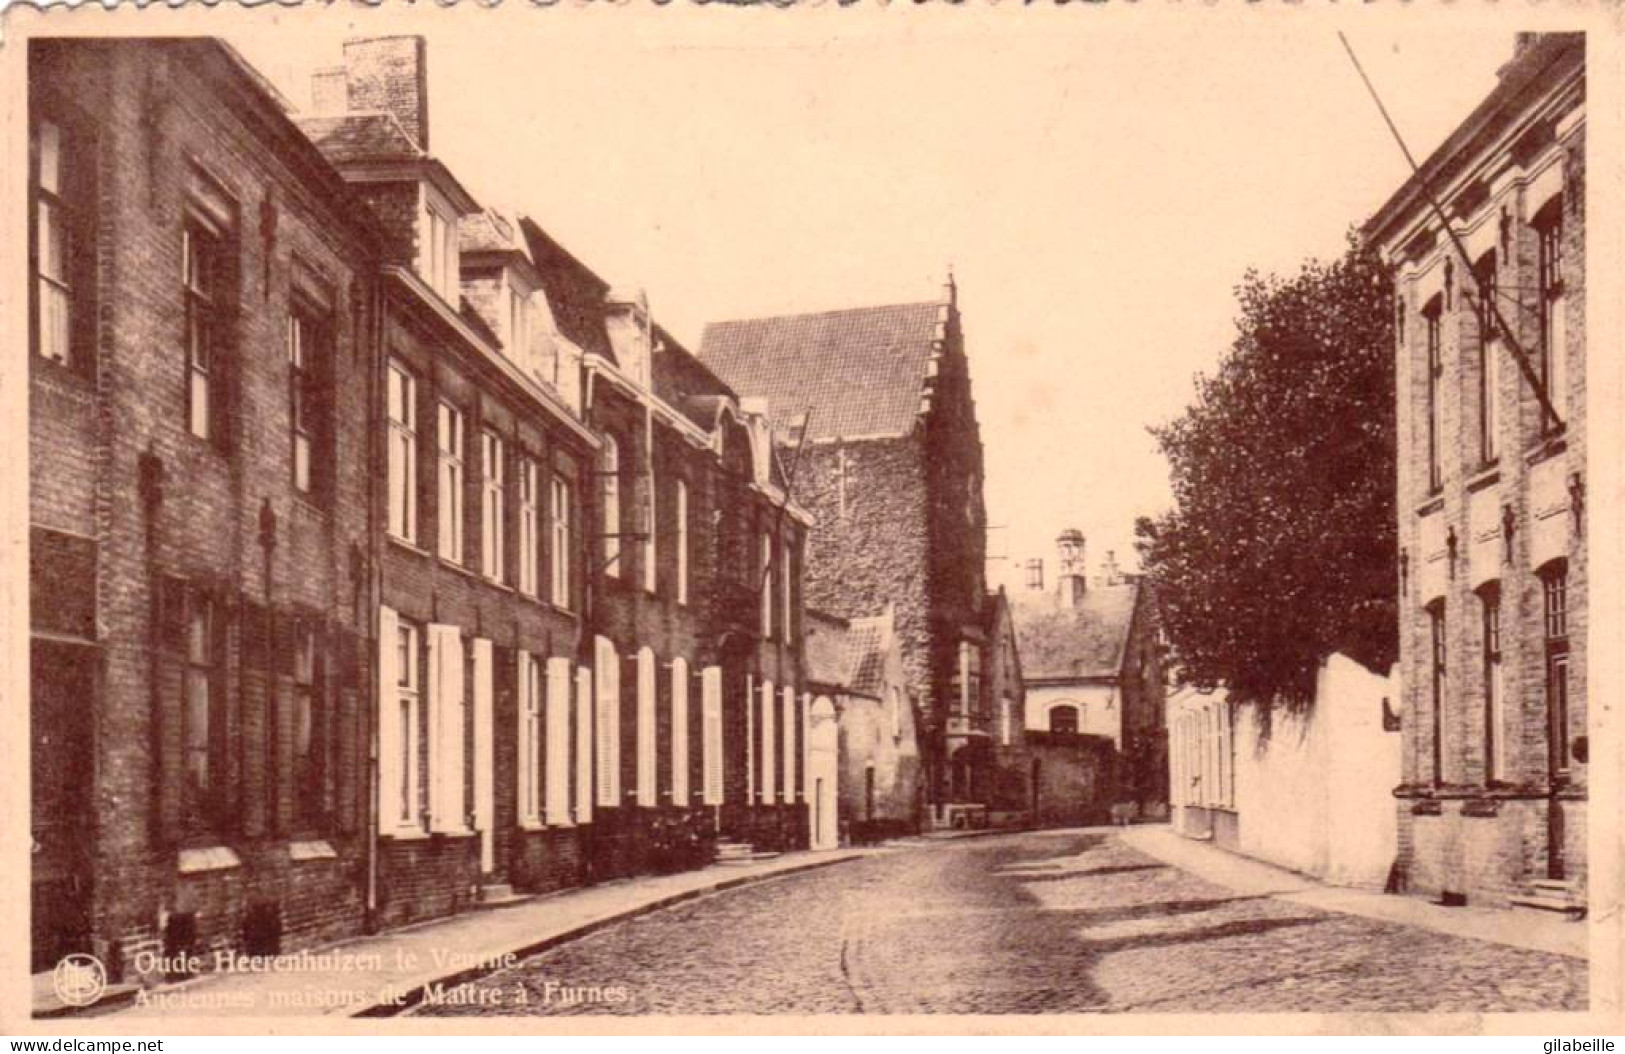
(79, 979)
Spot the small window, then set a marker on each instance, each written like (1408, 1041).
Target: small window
(609, 475)
(529, 519)
(310, 401)
(1063, 719)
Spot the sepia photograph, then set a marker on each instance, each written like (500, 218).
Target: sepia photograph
(672, 517)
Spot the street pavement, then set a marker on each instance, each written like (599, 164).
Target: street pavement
(1031, 923)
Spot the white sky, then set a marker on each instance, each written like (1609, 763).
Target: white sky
(1098, 183)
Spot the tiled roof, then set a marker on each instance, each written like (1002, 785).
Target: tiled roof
(361, 137)
(1085, 641)
(847, 655)
(860, 371)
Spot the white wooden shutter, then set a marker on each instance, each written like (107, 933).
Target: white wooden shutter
(608, 676)
(789, 726)
(390, 731)
(750, 740)
(770, 788)
(525, 756)
(484, 754)
(806, 746)
(557, 769)
(583, 753)
(679, 732)
(447, 810)
(711, 734)
(648, 792)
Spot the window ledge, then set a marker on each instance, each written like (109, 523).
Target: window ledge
(411, 547)
(314, 849)
(1488, 475)
(203, 861)
(532, 825)
(1549, 447)
(405, 834)
(452, 565)
(458, 833)
(1435, 503)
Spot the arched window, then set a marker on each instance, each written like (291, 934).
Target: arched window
(1063, 718)
(1436, 627)
(1554, 579)
(1495, 754)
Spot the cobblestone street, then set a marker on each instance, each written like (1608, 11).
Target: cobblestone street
(1033, 923)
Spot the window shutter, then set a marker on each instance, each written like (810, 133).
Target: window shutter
(525, 757)
(806, 745)
(679, 732)
(770, 788)
(389, 720)
(608, 677)
(484, 752)
(447, 810)
(648, 793)
(711, 734)
(557, 770)
(583, 752)
(789, 726)
(750, 740)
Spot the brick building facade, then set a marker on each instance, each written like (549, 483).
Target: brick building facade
(406, 566)
(1491, 492)
(874, 409)
(202, 298)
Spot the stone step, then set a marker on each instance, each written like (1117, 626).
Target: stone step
(500, 895)
(1558, 887)
(745, 861)
(1543, 902)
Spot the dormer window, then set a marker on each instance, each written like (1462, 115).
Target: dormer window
(437, 246)
(519, 326)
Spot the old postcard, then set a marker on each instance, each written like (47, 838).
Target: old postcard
(582, 518)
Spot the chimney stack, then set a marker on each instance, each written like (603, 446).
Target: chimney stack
(1072, 578)
(380, 73)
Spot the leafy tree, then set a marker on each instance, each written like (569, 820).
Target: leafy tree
(1281, 546)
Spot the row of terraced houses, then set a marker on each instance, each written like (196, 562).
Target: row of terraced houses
(385, 560)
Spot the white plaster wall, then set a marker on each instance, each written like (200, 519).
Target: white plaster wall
(1317, 796)
(1100, 709)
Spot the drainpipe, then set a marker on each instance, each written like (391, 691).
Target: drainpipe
(376, 378)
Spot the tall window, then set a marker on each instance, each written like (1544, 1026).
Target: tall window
(650, 527)
(1489, 357)
(1495, 766)
(403, 796)
(199, 273)
(493, 506)
(1553, 353)
(309, 401)
(530, 479)
(1435, 402)
(559, 553)
(450, 431)
(202, 701)
(1035, 574)
(530, 739)
(970, 678)
(609, 475)
(1436, 628)
(53, 248)
(1555, 586)
(787, 590)
(438, 256)
(766, 570)
(519, 326)
(682, 542)
(309, 728)
(403, 454)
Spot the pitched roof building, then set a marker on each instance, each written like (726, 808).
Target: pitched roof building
(873, 411)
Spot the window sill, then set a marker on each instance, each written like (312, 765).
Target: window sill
(1488, 475)
(454, 835)
(409, 546)
(1433, 504)
(206, 860)
(313, 849)
(452, 565)
(1549, 447)
(532, 825)
(406, 834)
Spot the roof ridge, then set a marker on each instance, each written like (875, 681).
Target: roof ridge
(827, 312)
